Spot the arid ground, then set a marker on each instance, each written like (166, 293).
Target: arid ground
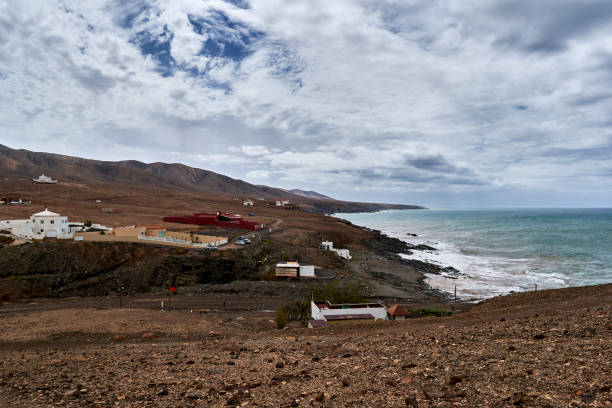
(538, 349)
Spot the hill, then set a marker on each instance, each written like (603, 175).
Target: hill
(309, 194)
(25, 164)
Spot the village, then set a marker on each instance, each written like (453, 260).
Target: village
(46, 225)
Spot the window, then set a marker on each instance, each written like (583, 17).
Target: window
(52, 221)
(42, 221)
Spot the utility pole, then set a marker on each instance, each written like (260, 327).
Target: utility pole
(455, 293)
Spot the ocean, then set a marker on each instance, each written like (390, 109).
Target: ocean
(500, 251)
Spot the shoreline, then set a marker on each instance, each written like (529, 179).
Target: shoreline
(477, 277)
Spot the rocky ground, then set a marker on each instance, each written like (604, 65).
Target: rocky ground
(538, 349)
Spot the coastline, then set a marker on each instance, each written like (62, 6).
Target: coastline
(383, 261)
(487, 253)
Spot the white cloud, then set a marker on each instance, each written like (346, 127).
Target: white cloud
(343, 95)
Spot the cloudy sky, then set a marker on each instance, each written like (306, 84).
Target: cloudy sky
(442, 103)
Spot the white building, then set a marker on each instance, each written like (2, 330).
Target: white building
(45, 224)
(347, 311)
(247, 202)
(44, 180)
(343, 253)
(295, 270)
(282, 203)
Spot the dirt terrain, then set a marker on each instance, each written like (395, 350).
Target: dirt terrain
(537, 349)
(85, 269)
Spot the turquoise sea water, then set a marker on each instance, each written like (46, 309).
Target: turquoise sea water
(504, 250)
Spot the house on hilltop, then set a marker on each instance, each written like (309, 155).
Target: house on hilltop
(282, 202)
(42, 179)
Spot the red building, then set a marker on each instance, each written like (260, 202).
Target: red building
(217, 219)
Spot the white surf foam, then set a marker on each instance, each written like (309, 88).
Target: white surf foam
(480, 277)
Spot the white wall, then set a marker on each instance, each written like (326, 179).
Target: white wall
(377, 312)
(307, 271)
(319, 314)
(315, 312)
(20, 228)
(344, 253)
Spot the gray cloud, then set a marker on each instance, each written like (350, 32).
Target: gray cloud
(547, 26)
(403, 100)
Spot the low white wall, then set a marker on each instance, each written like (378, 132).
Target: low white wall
(377, 312)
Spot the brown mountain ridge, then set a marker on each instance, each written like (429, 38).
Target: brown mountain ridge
(20, 163)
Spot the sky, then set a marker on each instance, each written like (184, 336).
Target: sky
(455, 103)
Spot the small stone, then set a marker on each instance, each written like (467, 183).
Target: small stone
(411, 402)
(163, 391)
(231, 363)
(72, 393)
(280, 364)
(345, 382)
(539, 336)
(454, 379)
(391, 382)
(320, 396)
(431, 392)
(518, 398)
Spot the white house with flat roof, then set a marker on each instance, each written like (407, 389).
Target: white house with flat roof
(342, 253)
(45, 224)
(347, 311)
(44, 180)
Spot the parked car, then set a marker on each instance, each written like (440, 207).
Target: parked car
(251, 214)
(210, 247)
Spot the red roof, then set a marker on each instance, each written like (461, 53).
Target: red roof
(397, 310)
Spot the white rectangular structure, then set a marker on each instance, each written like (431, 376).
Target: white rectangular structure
(44, 180)
(342, 253)
(307, 271)
(322, 310)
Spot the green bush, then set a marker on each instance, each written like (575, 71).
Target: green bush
(294, 311)
(282, 318)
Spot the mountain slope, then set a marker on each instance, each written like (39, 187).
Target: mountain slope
(25, 164)
(309, 194)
